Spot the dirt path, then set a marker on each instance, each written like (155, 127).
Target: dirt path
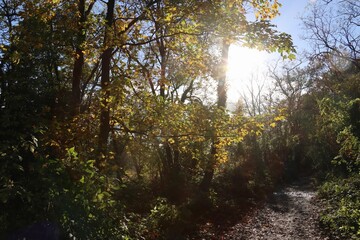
(288, 215)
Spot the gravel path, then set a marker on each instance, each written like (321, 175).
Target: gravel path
(290, 214)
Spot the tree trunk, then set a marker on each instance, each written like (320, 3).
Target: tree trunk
(173, 177)
(222, 88)
(2, 88)
(163, 67)
(79, 60)
(209, 171)
(105, 81)
(76, 81)
(221, 103)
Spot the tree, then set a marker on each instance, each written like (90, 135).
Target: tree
(129, 73)
(259, 34)
(111, 39)
(79, 58)
(105, 81)
(333, 29)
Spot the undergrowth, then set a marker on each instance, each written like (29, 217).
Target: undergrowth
(341, 215)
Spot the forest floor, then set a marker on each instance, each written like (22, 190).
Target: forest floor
(291, 213)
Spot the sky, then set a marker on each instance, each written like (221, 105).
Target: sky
(247, 67)
(289, 20)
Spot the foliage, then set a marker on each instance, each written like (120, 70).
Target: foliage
(164, 220)
(82, 209)
(349, 141)
(106, 133)
(86, 208)
(341, 195)
(341, 214)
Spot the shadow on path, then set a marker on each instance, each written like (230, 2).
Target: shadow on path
(289, 214)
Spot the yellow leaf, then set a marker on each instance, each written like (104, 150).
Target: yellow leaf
(279, 118)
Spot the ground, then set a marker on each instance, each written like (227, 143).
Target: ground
(291, 213)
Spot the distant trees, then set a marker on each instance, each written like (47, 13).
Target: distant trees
(333, 29)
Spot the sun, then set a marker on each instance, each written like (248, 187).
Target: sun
(244, 66)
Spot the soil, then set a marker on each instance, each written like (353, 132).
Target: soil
(291, 213)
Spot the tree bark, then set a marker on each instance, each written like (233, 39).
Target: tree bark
(105, 82)
(222, 88)
(79, 61)
(2, 89)
(76, 80)
(221, 103)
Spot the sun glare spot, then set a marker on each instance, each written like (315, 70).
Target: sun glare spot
(244, 66)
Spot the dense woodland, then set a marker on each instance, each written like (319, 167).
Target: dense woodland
(114, 122)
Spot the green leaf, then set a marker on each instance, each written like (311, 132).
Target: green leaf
(82, 180)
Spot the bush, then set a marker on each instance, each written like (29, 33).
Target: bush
(342, 212)
(168, 221)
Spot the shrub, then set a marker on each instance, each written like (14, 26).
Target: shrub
(168, 221)
(342, 207)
